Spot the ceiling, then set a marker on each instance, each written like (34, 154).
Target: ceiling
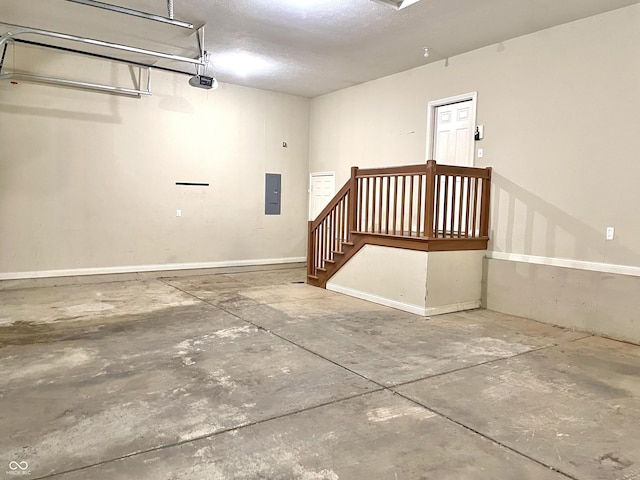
(304, 47)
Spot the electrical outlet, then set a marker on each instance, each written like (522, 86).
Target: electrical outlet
(178, 213)
(611, 232)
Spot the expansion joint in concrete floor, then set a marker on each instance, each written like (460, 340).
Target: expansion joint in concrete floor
(391, 389)
(486, 437)
(210, 435)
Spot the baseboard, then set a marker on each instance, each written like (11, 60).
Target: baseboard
(567, 263)
(454, 307)
(387, 302)
(147, 268)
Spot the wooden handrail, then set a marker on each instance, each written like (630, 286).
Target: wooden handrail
(445, 204)
(390, 171)
(472, 172)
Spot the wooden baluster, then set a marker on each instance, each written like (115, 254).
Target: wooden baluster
(367, 196)
(380, 204)
(362, 204)
(347, 202)
(419, 213)
(329, 234)
(339, 226)
(430, 199)
(345, 220)
(345, 234)
(320, 235)
(468, 212)
(327, 250)
(320, 246)
(454, 189)
(402, 202)
(395, 202)
(411, 180)
(486, 205)
(317, 248)
(332, 244)
(326, 242)
(460, 205)
(373, 204)
(437, 206)
(445, 206)
(343, 228)
(336, 232)
(327, 253)
(356, 203)
(388, 216)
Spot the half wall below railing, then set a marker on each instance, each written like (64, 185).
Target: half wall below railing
(428, 207)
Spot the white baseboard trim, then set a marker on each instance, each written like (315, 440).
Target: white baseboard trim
(454, 307)
(370, 297)
(147, 268)
(567, 263)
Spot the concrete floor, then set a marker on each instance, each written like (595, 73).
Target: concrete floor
(255, 376)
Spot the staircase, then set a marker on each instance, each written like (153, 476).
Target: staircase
(428, 207)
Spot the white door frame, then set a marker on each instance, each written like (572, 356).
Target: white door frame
(431, 120)
(319, 174)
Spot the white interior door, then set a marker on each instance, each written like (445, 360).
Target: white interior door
(453, 134)
(321, 191)
(453, 144)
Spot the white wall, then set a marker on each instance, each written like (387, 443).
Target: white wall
(87, 180)
(560, 110)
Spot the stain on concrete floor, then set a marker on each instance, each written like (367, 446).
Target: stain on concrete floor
(252, 375)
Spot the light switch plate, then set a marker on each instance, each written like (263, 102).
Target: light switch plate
(480, 153)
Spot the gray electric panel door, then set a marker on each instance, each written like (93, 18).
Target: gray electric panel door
(272, 193)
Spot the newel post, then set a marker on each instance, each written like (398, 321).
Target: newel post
(486, 204)
(353, 201)
(310, 250)
(431, 199)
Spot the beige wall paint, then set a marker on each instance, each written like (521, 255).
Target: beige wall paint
(597, 302)
(424, 283)
(454, 280)
(88, 179)
(560, 110)
(390, 276)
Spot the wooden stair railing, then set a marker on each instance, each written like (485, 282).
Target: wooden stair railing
(420, 207)
(329, 233)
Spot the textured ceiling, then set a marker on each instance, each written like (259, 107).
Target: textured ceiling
(306, 47)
